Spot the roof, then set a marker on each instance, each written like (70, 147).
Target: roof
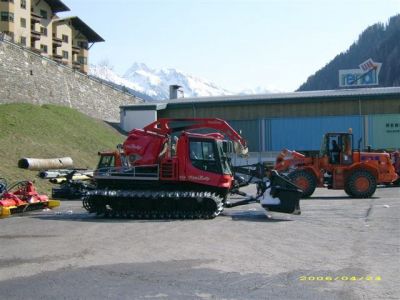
(309, 96)
(145, 106)
(88, 32)
(57, 6)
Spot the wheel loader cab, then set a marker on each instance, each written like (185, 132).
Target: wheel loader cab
(338, 147)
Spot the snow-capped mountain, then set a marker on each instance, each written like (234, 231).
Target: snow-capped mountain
(155, 82)
(106, 72)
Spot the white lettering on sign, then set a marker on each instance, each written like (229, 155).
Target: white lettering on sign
(367, 74)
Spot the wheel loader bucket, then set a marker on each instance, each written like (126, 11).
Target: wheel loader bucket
(283, 196)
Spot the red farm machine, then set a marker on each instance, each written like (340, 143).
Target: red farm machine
(21, 197)
(338, 166)
(396, 164)
(181, 168)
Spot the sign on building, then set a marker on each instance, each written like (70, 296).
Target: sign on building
(366, 75)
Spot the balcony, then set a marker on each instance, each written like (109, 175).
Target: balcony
(57, 42)
(35, 35)
(76, 65)
(75, 50)
(35, 18)
(37, 51)
(57, 58)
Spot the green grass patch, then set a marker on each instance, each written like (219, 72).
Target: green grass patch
(50, 131)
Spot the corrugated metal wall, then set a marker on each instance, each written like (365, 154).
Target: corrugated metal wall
(243, 111)
(306, 133)
(296, 133)
(384, 131)
(250, 131)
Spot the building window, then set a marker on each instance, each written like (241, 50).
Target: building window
(83, 45)
(43, 13)
(6, 16)
(65, 38)
(82, 60)
(23, 41)
(9, 34)
(23, 4)
(65, 54)
(23, 22)
(43, 31)
(43, 48)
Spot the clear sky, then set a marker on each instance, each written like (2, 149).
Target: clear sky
(237, 44)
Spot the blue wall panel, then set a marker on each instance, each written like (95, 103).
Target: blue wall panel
(384, 131)
(306, 133)
(250, 132)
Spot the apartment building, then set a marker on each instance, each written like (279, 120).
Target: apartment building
(34, 24)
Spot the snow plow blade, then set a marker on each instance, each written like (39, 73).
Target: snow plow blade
(282, 196)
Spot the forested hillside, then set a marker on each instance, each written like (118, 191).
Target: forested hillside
(380, 42)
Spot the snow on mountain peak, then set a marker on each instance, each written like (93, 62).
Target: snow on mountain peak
(107, 73)
(156, 82)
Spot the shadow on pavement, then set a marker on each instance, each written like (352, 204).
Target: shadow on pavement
(178, 279)
(347, 198)
(85, 217)
(390, 186)
(252, 216)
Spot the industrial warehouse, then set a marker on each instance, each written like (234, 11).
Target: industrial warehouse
(297, 120)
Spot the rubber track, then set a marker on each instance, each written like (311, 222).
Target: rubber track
(153, 204)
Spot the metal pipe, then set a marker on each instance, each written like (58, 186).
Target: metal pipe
(36, 164)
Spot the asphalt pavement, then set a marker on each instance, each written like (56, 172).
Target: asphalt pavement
(338, 248)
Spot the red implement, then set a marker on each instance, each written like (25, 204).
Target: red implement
(22, 197)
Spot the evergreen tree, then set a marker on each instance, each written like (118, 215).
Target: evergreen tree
(379, 42)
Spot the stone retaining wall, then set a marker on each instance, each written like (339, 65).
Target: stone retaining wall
(28, 77)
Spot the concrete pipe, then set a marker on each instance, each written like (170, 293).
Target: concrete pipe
(36, 164)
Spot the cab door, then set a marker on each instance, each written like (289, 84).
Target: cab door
(340, 148)
(346, 154)
(334, 148)
(204, 155)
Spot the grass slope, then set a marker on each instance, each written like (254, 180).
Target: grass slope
(49, 131)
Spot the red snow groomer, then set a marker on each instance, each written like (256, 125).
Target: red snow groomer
(21, 197)
(180, 169)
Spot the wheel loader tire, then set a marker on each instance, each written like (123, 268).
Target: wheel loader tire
(360, 184)
(305, 180)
